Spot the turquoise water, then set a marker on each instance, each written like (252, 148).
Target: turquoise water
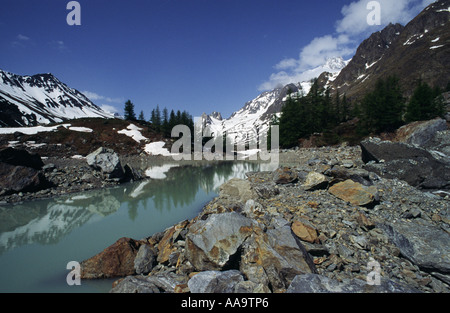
(39, 238)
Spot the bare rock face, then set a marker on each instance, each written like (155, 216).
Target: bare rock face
(423, 244)
(15, 179)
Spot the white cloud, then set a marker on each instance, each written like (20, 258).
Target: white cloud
(20, 41)
(321, 49)
(59, 45)
(23, 37)
(109, 109)
(286, 64)
(349, 32)
(355, 14)
(96, 97)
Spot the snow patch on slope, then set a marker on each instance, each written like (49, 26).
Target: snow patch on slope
(134, 132)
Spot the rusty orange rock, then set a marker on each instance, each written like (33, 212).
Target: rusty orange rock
(115, 261)
(355, 193)
(305, 232)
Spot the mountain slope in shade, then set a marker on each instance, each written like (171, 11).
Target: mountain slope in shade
(41, 99)
(418, 51)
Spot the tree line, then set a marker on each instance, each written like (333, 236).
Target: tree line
(162, 121)
(383, 109)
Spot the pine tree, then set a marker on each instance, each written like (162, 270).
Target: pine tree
(425, 104)
(129, 111)
(172, 120)
(382, 109)
(346, 109)
(165, 123)
(153, 117)
(158, 120)
(337, 112)
(293, 122)
(141, 116)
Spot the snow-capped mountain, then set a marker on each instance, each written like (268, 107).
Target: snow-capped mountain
(41, 99)
(417, 51)
(255, 117)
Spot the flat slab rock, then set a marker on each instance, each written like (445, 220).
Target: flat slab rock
(422, 243)
(313, 283)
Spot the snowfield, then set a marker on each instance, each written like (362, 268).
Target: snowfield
(134, 132)
(156, 148)
(42, 129)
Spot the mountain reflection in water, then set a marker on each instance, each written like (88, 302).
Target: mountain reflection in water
(78, 226)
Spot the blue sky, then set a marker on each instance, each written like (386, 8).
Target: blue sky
(194, 55)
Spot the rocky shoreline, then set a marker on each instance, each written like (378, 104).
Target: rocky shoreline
(316, 226)
(330, 219)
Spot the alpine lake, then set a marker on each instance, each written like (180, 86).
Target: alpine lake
(39, 238)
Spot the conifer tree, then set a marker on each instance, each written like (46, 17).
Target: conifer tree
(172, 120)
(425, 104)
(141, 116)
(129, 114)
(382, 109)
(165, 123)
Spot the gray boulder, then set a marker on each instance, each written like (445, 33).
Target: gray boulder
(421, 133)
(19, 157)
(313, 283)
(422, 243)
(107, 161)
(161, 283)
(284, 175)
(215, 282)
(145, 259)
(275, 257)
(315, 181)
(15, 179)
(212, 243)
(417, 166)
(236, 191)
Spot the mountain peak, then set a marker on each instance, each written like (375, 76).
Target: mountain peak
(417, 51)
(41, 99)
(335, 63)
(216, 115)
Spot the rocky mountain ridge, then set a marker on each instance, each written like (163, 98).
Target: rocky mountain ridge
(255, 116)
(41, 99)
(417, 51)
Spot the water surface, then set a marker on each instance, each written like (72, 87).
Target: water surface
(39, 238)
